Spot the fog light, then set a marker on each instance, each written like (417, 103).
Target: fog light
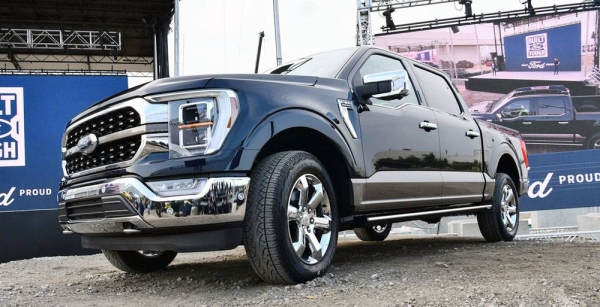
(178, 186)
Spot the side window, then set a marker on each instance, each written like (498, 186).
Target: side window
(378, 63)
(438, 92)
(519, 107)
(551, 106)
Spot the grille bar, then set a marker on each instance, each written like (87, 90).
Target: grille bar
(97, 208)
(116, 144)
(105, 124)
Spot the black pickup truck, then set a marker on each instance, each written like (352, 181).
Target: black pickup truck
(281, 162)
(546, 115)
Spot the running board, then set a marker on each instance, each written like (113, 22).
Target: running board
(427, 213)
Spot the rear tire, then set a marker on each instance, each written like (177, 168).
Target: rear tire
(373, 233)
(501, 222)
(291, 222)
(139, 261)
(593, 141)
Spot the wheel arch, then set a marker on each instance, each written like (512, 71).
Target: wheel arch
(506, 164)
(306, 131)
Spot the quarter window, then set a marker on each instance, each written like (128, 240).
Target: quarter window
(377, 64)
(437, 91)
(551, 106)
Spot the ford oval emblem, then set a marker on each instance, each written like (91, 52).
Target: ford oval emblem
(87, 144)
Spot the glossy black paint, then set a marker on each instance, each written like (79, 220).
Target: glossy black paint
(388, 139)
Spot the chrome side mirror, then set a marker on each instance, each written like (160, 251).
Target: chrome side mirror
(390, 84)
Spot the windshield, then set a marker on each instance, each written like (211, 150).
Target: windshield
(325, 65)
(500, 102)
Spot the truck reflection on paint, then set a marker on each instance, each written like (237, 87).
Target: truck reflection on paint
(221, 199)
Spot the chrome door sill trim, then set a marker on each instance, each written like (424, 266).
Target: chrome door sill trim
(416, 214)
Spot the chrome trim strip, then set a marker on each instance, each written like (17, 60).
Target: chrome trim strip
(344, 106)
(220, 200)
(135, 131)
(420, 199)
(401, 200)
(415, 214)
(149, 113)
(150, 143)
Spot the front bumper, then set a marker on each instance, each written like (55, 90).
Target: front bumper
(127, 205)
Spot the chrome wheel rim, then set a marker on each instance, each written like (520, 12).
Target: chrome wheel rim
(380, 228)
(596, 144)
(150, 254)
(309, 219)
(508, 206)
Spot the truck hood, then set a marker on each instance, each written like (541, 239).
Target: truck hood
(480, 107)
(185, 83)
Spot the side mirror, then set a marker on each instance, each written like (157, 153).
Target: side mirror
(386, 85)
(499, 116)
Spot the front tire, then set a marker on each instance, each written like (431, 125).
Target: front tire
(373, 233)
(501, 222)
(291, 223)
(139, 261)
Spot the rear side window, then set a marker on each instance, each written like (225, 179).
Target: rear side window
(437, 91)
(551, 106)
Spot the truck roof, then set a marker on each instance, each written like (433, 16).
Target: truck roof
(544, 89)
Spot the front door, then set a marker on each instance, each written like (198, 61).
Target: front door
(400, 146)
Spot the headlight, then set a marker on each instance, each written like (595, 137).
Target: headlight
(199, 120)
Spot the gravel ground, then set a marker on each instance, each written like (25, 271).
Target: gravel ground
(402, 271)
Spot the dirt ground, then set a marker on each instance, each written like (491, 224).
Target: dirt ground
(402, 271)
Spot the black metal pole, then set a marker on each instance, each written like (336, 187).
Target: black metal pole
(597, 46)
(261, 34)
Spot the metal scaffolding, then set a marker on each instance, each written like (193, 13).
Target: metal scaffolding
(366, 7)
(59, 39)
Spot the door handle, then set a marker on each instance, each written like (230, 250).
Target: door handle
(472, 134)
(526, 123)
(563, 123)
(427, 126)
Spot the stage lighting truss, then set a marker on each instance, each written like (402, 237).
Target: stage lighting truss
(59, 39)
(501, 16)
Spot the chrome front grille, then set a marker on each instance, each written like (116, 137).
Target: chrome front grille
(114, 137)
(105, 154)
(115, 121)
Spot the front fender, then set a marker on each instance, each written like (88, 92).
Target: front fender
(299, 118)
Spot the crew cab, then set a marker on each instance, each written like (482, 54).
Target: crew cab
(280, 162)
(546, 115)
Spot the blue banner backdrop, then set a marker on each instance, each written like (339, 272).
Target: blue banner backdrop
(33, 113)
(535, 51)
(563, 180)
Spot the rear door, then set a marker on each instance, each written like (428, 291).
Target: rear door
(401, 157)
(461, 158)
(553, 121)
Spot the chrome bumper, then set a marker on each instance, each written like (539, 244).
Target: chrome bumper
(127, 205)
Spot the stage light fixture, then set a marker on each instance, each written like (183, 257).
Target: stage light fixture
(455, 29)
(389, 22)
(530, 8)
(115, 53)
(468, 9)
